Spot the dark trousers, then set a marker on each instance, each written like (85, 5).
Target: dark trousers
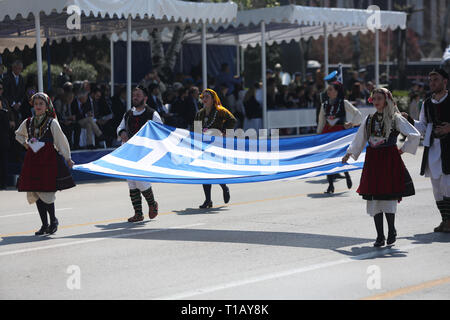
(207, 190)
(3, 167)
(75, 129)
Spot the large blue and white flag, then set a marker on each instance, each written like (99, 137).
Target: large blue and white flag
(159, 153)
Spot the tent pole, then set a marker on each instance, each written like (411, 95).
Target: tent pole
(111, 51)
(129, 64)
(204, 57)
(37, 22)
(242, 60)
(49, 71)
(377, 58)
(388, 44)
(325, 43)
(238, 57)
(263, 71)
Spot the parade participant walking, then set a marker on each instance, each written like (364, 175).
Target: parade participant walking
(214, 116)
(44, 170)
(333, 117)
(385, 179)
(132, 122)
(434, 125)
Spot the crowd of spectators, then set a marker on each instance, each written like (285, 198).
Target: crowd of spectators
(89, 115)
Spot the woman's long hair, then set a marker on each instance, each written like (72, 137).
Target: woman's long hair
(214, 96)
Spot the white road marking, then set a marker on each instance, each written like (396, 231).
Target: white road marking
(28, 213)
(66, 244)
(270, 276)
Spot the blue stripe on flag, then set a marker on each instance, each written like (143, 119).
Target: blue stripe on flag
(190, 167)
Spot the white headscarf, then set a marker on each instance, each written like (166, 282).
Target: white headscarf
(390, 110)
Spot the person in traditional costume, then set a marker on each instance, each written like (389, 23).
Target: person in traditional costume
(132, 122)
(337, 114)
(214, 116)
(385, 179)
(434, 125)
(47, 160)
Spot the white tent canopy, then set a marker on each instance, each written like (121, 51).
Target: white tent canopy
(286, 23)
(99, 17)
(174, 10)
(19, 20)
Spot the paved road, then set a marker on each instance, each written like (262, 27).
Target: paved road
(275, 240)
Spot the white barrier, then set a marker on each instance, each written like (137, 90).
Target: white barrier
(298, 118)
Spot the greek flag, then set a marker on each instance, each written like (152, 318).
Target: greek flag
(159, 153)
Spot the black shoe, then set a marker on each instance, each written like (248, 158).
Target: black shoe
(440, 228)
(330, 190)
(379, 242)
(349, 181)
(226, 195)
(206, 204)
(392, 237)
(91, 147)
(53, 227)
(41, 231)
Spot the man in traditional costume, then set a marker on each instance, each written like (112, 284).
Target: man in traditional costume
(132, 122)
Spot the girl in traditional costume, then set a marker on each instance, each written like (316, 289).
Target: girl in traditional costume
(214, 116)
(337, 114)
(385, 179)
(47, 160)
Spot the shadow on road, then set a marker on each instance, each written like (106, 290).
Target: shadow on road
(284, 239)
(428, 238)
(189, 211)
(322, 181)
(123, 225)
(369, 252)
(23, 239)
(325, 195)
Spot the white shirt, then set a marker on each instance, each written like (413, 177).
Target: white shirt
(122, 125)
(401, 124)
(434, 167)
(352, 115)
(59, 139)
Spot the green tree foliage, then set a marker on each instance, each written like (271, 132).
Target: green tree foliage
(82, 70)
(30, 74)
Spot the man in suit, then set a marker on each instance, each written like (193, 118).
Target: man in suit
(192, 106)
(2, 72)
(83, 110)
(4, 145)
(119, 106)
(15, 86)
(154, 101)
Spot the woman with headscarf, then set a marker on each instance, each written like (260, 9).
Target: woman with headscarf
(385, 179)
(337, 114)
(45, 167)
(214, 116)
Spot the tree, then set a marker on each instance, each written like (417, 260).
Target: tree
(163, 63)
(401, 41)
(444, 40)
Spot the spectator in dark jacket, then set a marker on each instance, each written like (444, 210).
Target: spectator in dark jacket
(14, 85)
(4, 145)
